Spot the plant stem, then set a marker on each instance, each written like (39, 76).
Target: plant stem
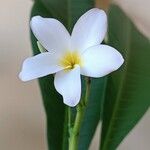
(74, 132)
(69, 121)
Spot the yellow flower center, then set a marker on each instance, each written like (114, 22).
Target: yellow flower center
(70, 59)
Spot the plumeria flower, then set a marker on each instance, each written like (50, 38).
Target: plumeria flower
(70, 56)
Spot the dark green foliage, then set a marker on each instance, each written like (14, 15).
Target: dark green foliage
(128, 90)
(54, 107)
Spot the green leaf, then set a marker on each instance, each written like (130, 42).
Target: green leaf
(127, 91)
(67, 11)
(54, 107)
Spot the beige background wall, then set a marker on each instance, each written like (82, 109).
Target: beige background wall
(22, 118)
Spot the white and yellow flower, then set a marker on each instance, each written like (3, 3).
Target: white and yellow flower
(70, 56)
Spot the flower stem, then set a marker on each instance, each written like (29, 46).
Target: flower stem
(74, 131)
(69, 120)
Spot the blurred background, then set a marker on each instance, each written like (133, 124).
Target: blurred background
(22, 117)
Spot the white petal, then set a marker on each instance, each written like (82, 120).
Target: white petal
(50, 33)
(39, 66)
(100, 60)
(89, 30)
(68, 84)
